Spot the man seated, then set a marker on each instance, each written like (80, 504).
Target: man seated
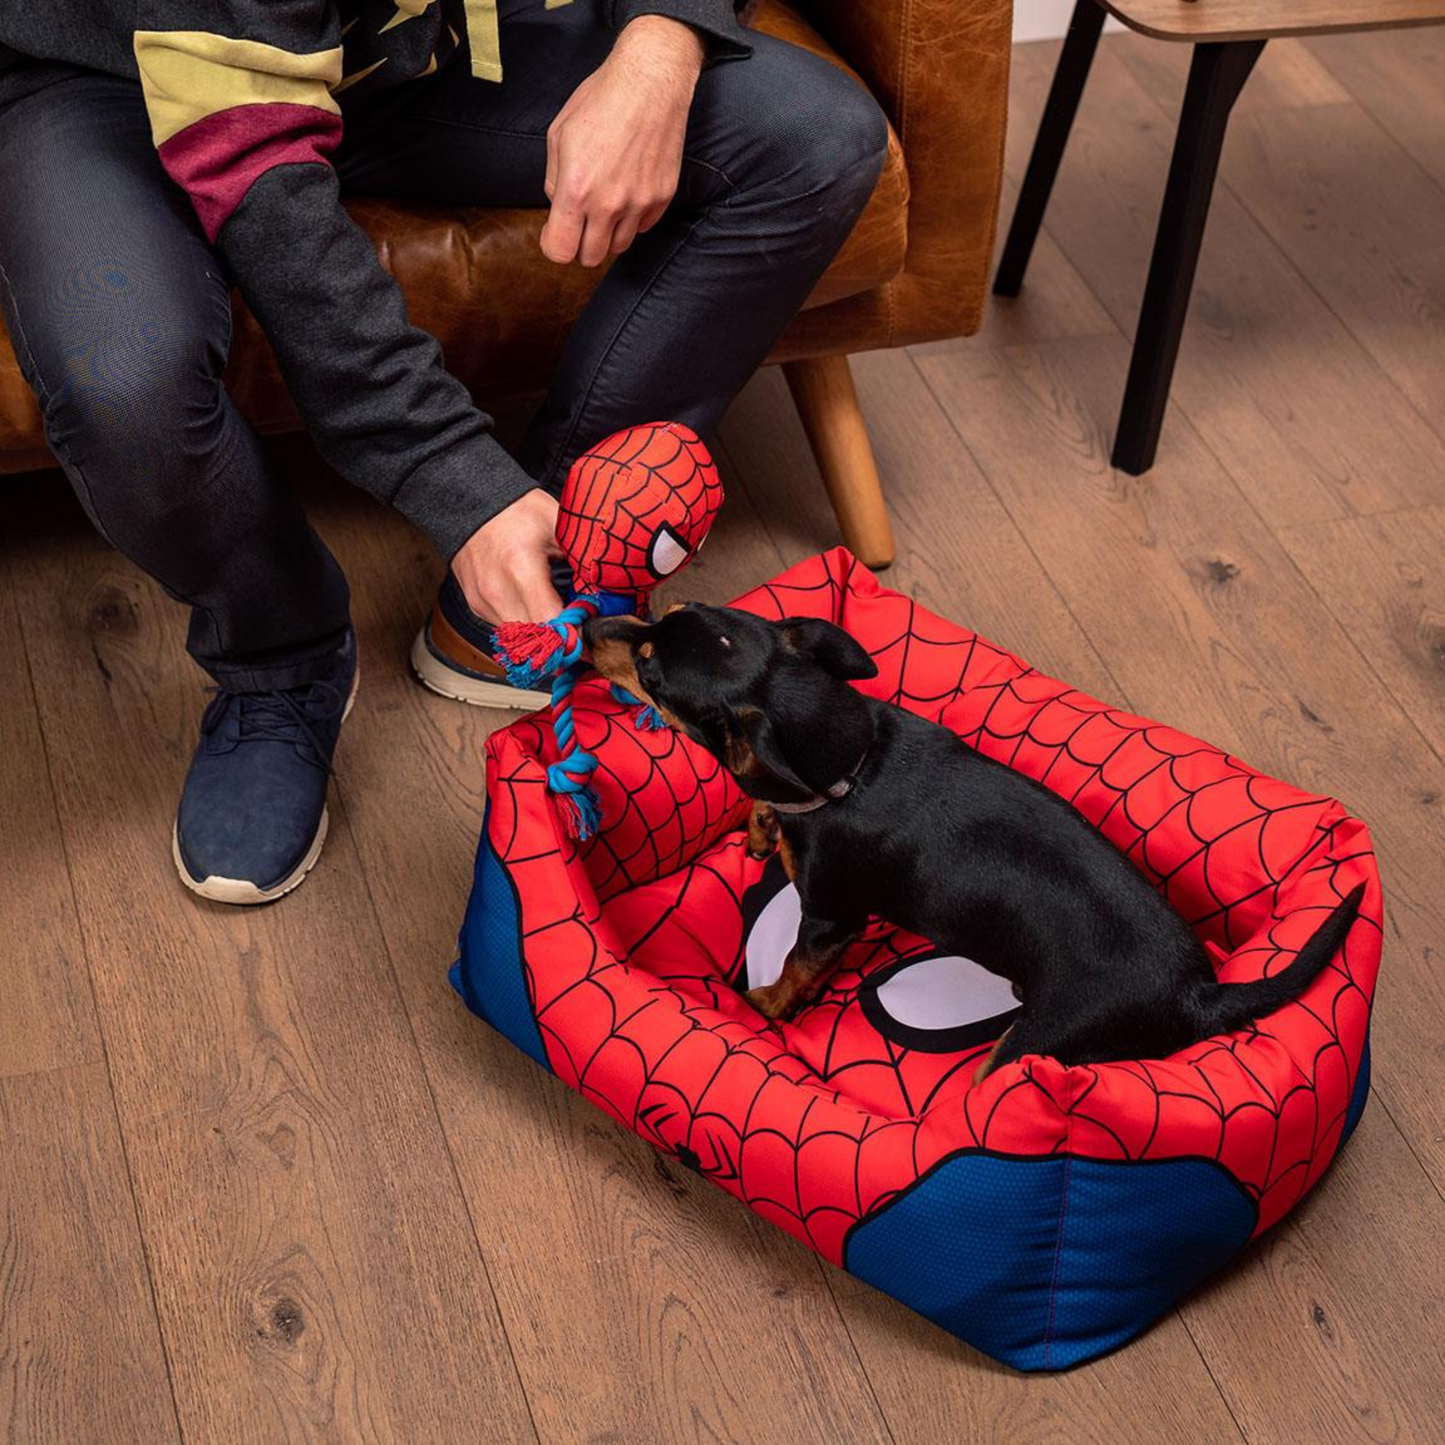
(145, 171)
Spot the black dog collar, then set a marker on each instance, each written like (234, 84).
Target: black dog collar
(840, 789)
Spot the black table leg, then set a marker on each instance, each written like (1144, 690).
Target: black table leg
(1058, 120)
(1216, 77)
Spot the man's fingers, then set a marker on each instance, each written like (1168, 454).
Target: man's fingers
(514, 599)
(549, 184)
(485, 607)
(597, 239)
(504, 567)
(562, 234)
(541, 602)
(626, 233)
(652, 214)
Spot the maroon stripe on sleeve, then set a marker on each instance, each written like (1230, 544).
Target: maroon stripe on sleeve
(218, 159)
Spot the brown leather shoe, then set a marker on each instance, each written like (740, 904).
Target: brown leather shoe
(450, 657)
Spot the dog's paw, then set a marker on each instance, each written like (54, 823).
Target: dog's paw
(763, 833)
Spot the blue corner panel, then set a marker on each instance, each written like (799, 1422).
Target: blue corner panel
(1046, 1263)
(488, 972)
(1361, 1094)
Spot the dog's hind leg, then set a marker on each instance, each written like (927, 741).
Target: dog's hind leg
(1024, 1036)
(991, 1059)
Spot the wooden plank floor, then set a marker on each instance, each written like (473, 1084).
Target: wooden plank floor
(263, 1179)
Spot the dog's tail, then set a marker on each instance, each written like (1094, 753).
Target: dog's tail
(1229, 1006)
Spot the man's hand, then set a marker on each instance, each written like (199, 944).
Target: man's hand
(614, 152)
(503, 567)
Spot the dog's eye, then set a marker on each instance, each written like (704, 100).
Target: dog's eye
(725, 642)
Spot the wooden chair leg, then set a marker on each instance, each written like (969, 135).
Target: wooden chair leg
(827, 401)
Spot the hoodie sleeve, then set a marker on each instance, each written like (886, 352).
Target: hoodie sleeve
(716, 19)
(244, 119)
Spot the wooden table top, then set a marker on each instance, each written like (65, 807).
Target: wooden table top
(1196, 20)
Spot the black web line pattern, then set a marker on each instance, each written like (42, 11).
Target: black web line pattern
(623, 492)
(775, 1114)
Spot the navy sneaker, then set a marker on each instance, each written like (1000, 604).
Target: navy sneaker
(252, 818)
(452, 655)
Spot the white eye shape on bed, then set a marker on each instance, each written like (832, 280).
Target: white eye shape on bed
(934, 1002)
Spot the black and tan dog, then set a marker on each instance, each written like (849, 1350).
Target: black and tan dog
(881, 813)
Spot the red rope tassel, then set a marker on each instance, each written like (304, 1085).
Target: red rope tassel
(531, 644)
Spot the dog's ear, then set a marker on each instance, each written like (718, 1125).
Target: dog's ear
(738, 755)
(829, 647)
(752, 749)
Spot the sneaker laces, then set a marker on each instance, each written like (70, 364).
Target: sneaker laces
(290, 716)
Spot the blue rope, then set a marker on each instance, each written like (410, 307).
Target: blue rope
(567, 624)
(648, 719)
(570, 777)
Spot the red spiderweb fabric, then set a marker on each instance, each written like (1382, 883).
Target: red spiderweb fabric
(631, 944)
(620, 495)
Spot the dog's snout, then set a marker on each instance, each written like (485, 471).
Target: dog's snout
(611, 646)
(609, 629)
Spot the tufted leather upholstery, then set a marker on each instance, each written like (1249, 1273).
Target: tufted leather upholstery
(914, 269)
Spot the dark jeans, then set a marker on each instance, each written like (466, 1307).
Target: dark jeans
(121, 316)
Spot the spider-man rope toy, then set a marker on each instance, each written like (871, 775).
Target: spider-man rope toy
(634, 510)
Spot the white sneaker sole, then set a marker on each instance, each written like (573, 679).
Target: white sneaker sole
(241, 892)
(446, 681)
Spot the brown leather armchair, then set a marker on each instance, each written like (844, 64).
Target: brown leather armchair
(914, 269)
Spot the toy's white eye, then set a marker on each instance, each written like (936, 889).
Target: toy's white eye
(667, 553)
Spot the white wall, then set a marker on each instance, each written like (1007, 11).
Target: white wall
(1044, 19)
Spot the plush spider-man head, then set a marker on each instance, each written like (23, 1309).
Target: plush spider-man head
(637, 507)
(634, 509)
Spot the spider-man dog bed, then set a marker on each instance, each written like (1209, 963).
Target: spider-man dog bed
(1045, 1215)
